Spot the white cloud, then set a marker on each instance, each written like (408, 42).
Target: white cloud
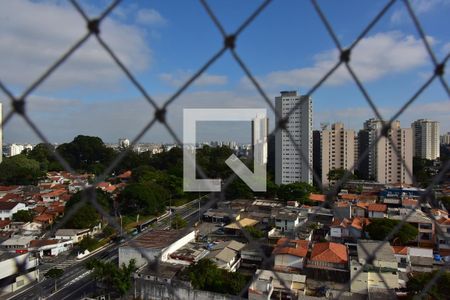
(375, 56)
(150, 17)
(420, 7)
(181, 76)
(35, 34)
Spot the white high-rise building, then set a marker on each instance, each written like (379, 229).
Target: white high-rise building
(337, 149)
(426, 139)
(260, 128)
(289, 165)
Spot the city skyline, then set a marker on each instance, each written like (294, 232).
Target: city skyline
(95, 99)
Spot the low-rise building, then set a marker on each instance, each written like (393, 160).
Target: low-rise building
(75, 235)
(375, 267)
(50, 247)
(276, 285)
(377, 210)
(290, 255)
(154, 245)
(329, 262)
(10, 279)
(17, 243)
(8, 209)
(286, 221)
(226, 255)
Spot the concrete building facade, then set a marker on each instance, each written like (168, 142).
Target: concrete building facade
(382, 162)
(289, 165)
(426, 139)
(337, 149)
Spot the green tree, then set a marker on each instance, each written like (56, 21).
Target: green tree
(255, 232)
(87, 153)
(54, 273)
(439, 290)
(379, 229)
(19, 170)
(110, 277)
(298, 191)
(238, 189)
(143, 198)
(43, 153)
(87, 216)
(334, 175)
(178, 222)
(205, 275)
(23, 216)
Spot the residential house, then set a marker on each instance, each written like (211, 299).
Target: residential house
(377, 210)
(8, 209)
(401, 255)
(423, 223)
(443, 236)
(5, 225)
(360, 209)
(276, 285)
(290, 255)
(226, 255)
(286, 221)
(75, 235)
(329, 261)
(53, 196)
(339, 229)
(17, 243)
(420, 259)
(374, 268)
(342, 209)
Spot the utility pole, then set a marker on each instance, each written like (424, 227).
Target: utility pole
(170, 211)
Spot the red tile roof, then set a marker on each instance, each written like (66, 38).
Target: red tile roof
(5, 188)
(329, 252)
(317, 197)
(444, 221)
(341, 223)
(349, 196)
(7, 205)
(292, 247)
(54, 193)
(4, 223)
(403, 250)
(410, 202)
(44, 218)
(377, 207)
(125, 175)
(359, 223)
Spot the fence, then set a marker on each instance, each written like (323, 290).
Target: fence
(230, 40)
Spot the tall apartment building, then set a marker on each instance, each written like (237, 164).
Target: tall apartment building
(382, 163)
(366, 138)
(289, 165)
(260, 130)
(445, 139)
(426, 139)
(337, 149)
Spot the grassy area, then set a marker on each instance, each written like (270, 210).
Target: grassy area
(180, 202)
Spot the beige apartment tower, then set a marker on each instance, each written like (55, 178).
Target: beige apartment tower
(337, 149)
(426, 139)
(388, 166)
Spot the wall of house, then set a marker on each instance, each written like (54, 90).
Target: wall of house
(376, 214)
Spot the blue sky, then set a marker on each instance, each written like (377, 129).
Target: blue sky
(163, 42)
